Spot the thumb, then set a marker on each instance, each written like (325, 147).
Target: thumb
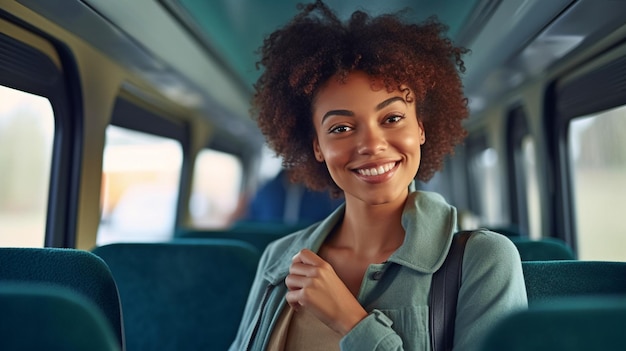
(309, 257)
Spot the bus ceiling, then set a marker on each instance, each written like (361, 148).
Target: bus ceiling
(219, 39)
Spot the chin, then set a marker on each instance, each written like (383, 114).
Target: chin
(379, 200)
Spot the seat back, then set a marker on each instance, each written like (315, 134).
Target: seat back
(543, 249)
(511, 230)
(550, 280)
(563, 325)
(78, 270)
(40, 316)
(259, 234)
(258, 240)
(182, 295)
(573, 305)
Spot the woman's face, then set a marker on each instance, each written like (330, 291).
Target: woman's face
(369, 138)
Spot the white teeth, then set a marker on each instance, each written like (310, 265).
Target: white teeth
(377, 171)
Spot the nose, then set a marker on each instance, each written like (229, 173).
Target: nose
(371, 140)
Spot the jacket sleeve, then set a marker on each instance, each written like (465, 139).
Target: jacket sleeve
(374, 332)
(252, 306)
(492, 286)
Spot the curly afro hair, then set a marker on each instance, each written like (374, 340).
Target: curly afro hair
(315, 46)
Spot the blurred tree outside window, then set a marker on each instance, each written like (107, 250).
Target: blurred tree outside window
(26, 142)
(216, 190)
(597, 151)
(140, 180)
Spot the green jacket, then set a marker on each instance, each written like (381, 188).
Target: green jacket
(395, 293)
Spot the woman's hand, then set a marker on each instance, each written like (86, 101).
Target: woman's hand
(314, 286)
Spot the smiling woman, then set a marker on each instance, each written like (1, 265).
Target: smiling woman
(156, 123)
(420, 59)
(364, 129)
(363, 108)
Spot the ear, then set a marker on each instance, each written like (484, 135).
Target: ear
(317, 151)
(422, 133)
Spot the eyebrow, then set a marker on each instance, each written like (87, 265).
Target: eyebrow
(349, 113)
(388, 102)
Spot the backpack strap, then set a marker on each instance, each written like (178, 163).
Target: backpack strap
(444, 291)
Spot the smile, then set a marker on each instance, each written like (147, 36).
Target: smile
(382, 169)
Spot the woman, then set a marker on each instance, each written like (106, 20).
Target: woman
(362, 109)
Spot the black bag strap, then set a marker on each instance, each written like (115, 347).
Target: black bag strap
(444, 291)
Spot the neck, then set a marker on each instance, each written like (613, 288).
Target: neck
(370, 231)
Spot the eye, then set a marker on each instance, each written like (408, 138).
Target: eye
(393, 119)
(339, 129)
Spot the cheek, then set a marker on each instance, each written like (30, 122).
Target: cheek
(337, 154)
(409, 140)
(333, 153)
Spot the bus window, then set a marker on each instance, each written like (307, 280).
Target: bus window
(26, 135)
(597, 152)
(216, 189)
(141, 174)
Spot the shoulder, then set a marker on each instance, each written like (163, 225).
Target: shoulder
(491, 252)
(485, 242)
(289, 245)
(492, 286)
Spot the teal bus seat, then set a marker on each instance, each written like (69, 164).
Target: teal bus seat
(78, 270)
(258, 240)
(181, 295)
(40, 316)
(510, 231)
(549, 280)
(278, 228)
(563, 325)
(259, 234)
(542, 249)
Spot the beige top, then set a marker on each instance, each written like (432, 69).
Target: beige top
(302, 331)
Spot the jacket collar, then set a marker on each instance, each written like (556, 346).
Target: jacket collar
(310, 238)
(429, 223)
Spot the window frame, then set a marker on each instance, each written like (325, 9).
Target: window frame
(26, 68)
(129, 115)
(516, 130)
(474, 144)
(590, 92)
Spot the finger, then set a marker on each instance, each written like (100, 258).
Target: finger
(306, 270)
(293, 299)
(295, 282)
(307, 256)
